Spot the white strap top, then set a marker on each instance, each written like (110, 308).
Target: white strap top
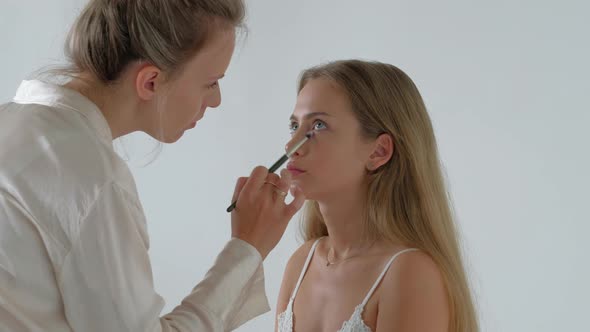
(355, 323)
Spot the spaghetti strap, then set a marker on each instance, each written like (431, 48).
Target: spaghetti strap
(383, 274)
(305, 266)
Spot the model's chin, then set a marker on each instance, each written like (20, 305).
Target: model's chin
(312, 190)
(302, 186)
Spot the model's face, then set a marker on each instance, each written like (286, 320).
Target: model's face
(334, 159)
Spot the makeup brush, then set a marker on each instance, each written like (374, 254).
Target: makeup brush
(280, 162)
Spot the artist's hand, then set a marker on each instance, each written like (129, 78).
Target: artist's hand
(261, 215)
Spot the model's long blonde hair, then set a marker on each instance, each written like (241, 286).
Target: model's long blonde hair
(406, 198)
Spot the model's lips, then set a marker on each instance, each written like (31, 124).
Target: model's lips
(294, 169)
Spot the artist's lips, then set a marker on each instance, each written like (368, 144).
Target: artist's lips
(194, 123)
(294, 170)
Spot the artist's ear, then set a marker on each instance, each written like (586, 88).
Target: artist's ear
(382, 152)
(147, 81)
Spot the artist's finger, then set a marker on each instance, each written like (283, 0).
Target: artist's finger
(296, 204)
(255, 181)
(239, 186)
(285, 181)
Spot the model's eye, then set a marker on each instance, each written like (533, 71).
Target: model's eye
(293, 126)
(319, 125)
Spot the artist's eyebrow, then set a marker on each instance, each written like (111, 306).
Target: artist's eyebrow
(309, 115)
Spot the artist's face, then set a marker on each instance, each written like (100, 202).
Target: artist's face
(334, 160)
(197, 88)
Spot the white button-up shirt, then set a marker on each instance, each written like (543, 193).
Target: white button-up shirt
(73, 237)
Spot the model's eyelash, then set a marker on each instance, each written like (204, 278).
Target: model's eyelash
(293, 125)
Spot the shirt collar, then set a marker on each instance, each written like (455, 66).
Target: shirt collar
(52, 95)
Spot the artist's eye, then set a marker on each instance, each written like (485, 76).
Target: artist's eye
(319, 125)
(293, 127)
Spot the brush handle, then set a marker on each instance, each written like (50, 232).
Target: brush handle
(231, 207)
(278, 164)
(272, 169)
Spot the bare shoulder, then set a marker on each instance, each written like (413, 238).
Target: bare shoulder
(414, 288)
(297, 260)
(414, 266)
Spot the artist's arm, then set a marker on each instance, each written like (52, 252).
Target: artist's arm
(413, 296)
(106, 279)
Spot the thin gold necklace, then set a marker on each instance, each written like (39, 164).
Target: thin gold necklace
(328, 263)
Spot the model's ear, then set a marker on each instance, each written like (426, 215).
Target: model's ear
(382, 152)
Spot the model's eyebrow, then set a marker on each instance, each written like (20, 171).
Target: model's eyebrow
(309, 115)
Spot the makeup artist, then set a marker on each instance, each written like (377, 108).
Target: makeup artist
(73, 237)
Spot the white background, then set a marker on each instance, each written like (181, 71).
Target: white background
(506, 84)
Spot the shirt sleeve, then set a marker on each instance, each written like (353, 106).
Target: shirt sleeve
(107, 285)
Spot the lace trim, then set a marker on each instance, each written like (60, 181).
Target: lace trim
(285, 320)
(355, 323)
